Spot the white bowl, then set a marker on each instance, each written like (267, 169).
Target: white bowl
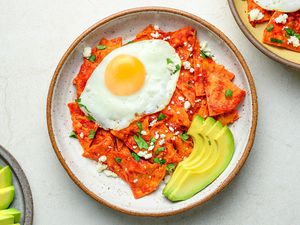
(114, 192)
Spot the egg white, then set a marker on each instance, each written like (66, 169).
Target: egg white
(117, 112)
(279, 5)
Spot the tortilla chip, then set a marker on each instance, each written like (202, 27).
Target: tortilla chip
(215, 88)
(267, 14)
(228, 118)
(278, 34)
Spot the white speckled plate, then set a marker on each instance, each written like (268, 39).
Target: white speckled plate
(114, 192)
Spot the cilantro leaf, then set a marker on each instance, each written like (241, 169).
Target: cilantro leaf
(275, 40)
(228, 93)
(73, 134)
(118, 159)
(170, 167)
(177, 68)
(169, 61)
(159, 161)
(140, 142)
(161, 116)
(184, 136)
(91, 118)
(101, 47)
(270, 28)
(153, 140)
(160, 149)
(139, 124)
(92, 58)
(136, 157)
(92, 134)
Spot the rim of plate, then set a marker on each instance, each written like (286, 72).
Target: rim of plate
(256, 42)
(211, 28)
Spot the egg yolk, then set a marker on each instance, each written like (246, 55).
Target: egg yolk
(125, 75)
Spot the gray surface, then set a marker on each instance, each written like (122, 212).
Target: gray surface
(23, 198)
(33, 37)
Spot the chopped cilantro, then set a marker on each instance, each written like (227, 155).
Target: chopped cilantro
(78, 100)
(92, 134)
(184, 136)
(91, 118)
(177, 68)
(228, 93)
(160, 149)
(275, 40)
(161, 116)
(101, 47)
(297, 36)
(169, 61)
(170, 167)
(129, 42)
(92, 58)
(270, 28)
(289, 31)
(139, 124)
(140, 142)
(159, 161)
(153, 140)
(136, 157)
(118, 159)
(73, 134)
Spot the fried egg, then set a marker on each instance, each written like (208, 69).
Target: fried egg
(133, 80)
(279, 5)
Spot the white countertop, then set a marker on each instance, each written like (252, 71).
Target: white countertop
(33, 37)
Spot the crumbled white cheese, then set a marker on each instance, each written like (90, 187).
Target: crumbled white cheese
(171, 67)
(143, 132)
(206, 50)
(187, 105)
(167, 38)
(173, 138)
(172, 102)
(135, 180)
(178, 112)
(294, 41)
(155, 35)
(134, 147)
(198, 100)
(180, 98)
(167, 178)
(110, 147)
(187, 65)
(152, 122)
(185, 43)
(176, 133)
(101, 167)
(151, 147)
(102, 158)
(171, 129)
(198, 65)
(282, 18)
(169, 108)
(156, 27)
(81, 135)
(190, 49)
(161, 142)
(192, 70)
(87, 52)
(142, 153)
(148, 156)
(109, 173)
(162, 136)
(255, 14)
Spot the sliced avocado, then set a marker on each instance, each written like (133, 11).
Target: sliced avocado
(6, 196)
(199, 173)
(6, 219)
(5, 177)
(201, 142)
(13, 212)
